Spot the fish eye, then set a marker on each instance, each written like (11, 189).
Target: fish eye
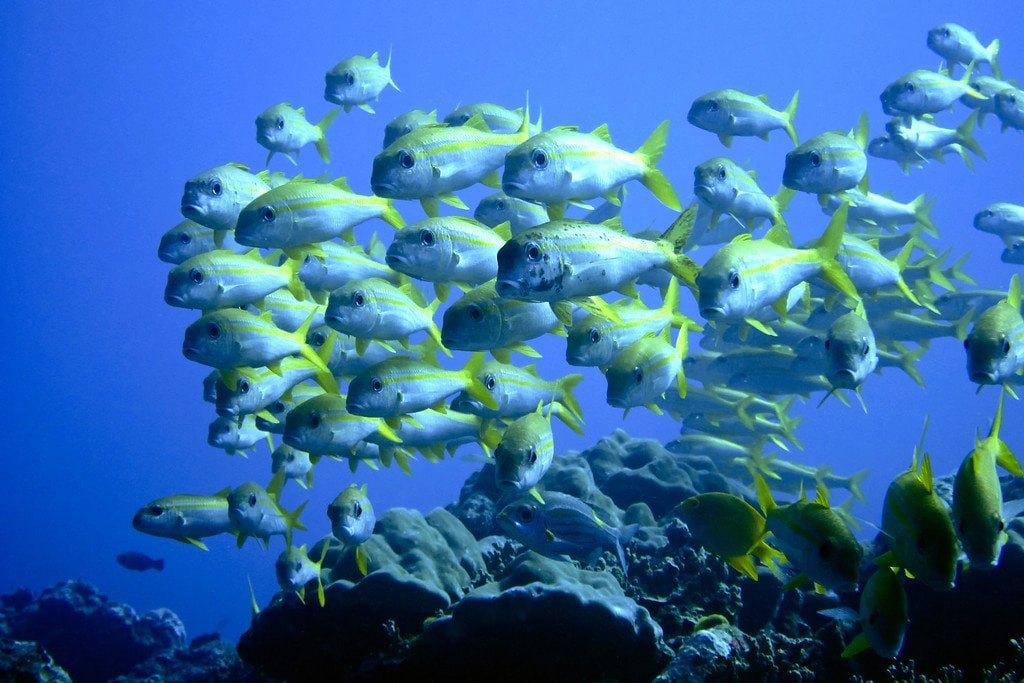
(357, 509)
(225, 429)
(734, 279)
(277, 407)
(721, 172)
(196, 275)
(358, 298)
(156, 510)
(1006, 347)
(1012, 99)
(945, 33)
(595, 335)
(638, 374)
(525, 514)
(376, 384)
(533, 456)
(185, 238)
(828, 344)
(298, 567)
(909, 87)
(267, 213)
(490, 383)
(290, 457)
(532, 251)
(825, 550)
(317, 339)
(815, 159)
(314, 420)
(348, 78)
(866, 348)
(500, 205)
(988, 213)
(1002, 525)
(539, 158)
(475, 313)
(427, 238)
(215, 186)
(713, 105)
(406, 159)
(280, 123)
(213, 330)
(967, 343)
(243, 386)
(252, 499)
(922, 543)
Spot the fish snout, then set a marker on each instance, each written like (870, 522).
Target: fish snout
(979, 377)
(712, 312)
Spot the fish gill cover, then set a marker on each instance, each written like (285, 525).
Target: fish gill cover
(352, 306)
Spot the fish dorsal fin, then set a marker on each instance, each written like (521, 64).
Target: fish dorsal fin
(742, 237)
(476, 121)
(860, 135)
(998, 420)
(763, 97)
(568, 129)
(342, 184)
(925, 474)
(1014, 295)
(301, 111)
(235, 164)
(602, 132)
(615, 223)
(863, 184)
(764, 493)
(822, 498)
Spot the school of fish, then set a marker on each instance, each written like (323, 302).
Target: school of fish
(329, 347)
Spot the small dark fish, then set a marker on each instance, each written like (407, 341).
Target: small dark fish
(139, 562)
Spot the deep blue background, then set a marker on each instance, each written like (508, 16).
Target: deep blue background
(108, 111)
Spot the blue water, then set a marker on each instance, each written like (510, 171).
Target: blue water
(108, 111)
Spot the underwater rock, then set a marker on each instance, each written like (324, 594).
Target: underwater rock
(506, 629)
(28, 661)
(641, 470)
(90, 636)
(206, 659)
(418, 566)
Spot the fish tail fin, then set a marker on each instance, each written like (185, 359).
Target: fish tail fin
(678, 234)
(828, 246)
(993, 52)
(908, 362)
(293, 522)
(854, 483)
(764, 494)
(653, 179)
(790, 113)
(387, 71)
(780, 202)
(965, 135)
(861, 135)
(922, 208)
(391, 215)
(625, 535)
(770, 558)
(566, 385)
(321, 142)
(295, 285)
(1013, 295)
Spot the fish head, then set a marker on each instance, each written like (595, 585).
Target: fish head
(714, 182)
(307, 426)
(183, 241)
(827, 163)
(464, 403)
(977, 510)
(999, 218)
(523, 456)
(159, 518)
(590, 343)
(374, 393)
(725, 292)
(353, 308)
(404, 171)
(291, 568)
(422, 249)
(247, 395)
(920, 531)
(211, 340)
(883, 147)
(405, 124)
(495, 209)
(275, 127)
(473, 323)
(884, 612)
(351, 81)
(530, 268)
(851, 351)
(287, 457)
(537, 170)
(265, 222)
(992, 355)
(639, 374)
(710, 112)
(351, 514)
(246, 506)
(523, 521)
(950, 40)
(1014, 251)
(223, 433)
(1009, 106)
(214, 197)
(907, 95)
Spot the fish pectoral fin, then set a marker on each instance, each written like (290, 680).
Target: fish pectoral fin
(856, 646)
(744, 565)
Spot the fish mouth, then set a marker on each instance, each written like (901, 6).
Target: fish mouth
(382, 189)
(507, 288)
(333, 96)
(983, 378)
(192, 210)
(844, 379)
(511, 188)
(616, 401)
(174, 299)
(712, 312)
(508, 484)
(190, 352)
(392, 259)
